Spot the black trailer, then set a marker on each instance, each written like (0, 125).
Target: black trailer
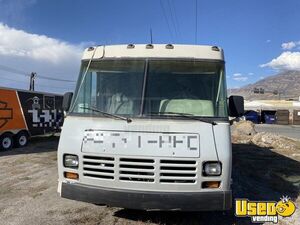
(27, 113)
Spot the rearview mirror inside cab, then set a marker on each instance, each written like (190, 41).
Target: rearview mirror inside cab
(236, 106)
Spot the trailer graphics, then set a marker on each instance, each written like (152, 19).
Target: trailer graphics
(24, 114)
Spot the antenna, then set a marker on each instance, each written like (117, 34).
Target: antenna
(196, 22)
(151, 40)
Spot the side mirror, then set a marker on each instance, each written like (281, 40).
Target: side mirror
(67, 101)
(236, 106)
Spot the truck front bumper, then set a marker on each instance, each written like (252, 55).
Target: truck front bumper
(146, 200)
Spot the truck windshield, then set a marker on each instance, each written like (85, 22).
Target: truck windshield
(129, 87)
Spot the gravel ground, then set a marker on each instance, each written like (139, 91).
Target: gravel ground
(28, 183)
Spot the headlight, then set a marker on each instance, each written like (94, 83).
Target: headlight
(212, 169)
(71, 161)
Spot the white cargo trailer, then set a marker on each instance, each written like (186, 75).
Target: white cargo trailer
(148, 128)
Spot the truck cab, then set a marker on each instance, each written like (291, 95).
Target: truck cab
(148, 128)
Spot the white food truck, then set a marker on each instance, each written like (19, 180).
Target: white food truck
(148, 128)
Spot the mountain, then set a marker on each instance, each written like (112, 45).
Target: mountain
(287, 84)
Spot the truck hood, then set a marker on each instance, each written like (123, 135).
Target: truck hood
(144, 137)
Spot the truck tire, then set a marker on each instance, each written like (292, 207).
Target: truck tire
(6, 141)
(21, 139)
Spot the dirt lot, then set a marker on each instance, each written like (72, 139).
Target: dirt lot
(28, 182)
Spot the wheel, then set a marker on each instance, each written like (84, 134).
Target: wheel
(21, 139)
(6, 141)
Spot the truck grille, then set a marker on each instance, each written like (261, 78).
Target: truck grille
(140, 169)
(177, 171)
(98, 167)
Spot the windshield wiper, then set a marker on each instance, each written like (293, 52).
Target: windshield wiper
(128, 120)
(185, 115)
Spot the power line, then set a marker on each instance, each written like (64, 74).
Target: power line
(19, 81)
(172, 15)
(172, 18)
(176, 18)
(39, 78)
(19, 72)
(40, 85)
(55, 87)
(55, 79)
(166, 19)
(12, 70)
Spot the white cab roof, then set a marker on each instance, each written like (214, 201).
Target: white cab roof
(157, 51)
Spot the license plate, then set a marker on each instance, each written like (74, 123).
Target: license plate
(141, 143)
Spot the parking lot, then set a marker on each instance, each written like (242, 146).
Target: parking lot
(28, 183)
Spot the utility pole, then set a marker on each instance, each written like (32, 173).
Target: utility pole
(32, 78)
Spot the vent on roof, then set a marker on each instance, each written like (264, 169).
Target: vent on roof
(149, 46)
(169, 46)
(130, 46)
(215, 48)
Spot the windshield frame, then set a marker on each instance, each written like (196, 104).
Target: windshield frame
(142, 115)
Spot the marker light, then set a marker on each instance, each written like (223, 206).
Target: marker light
(130, 46)
(212, 169)
(211, 184)
(215, 48)
(149, 46)
(169, 46)
(71, 161)
(69, 175)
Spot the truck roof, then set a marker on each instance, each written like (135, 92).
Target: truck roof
(204, 52)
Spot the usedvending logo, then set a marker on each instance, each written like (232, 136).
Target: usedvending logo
(264, 211)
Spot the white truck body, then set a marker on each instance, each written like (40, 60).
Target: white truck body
(156, 160)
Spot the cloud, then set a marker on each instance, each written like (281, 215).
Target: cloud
(286, 61)
(237, 74)
(38, 53)
(19, 43)
(241, 78)
(289, 45)
(268, 41)
(250, 74)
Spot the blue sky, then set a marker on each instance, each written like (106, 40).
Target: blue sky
(259, 37)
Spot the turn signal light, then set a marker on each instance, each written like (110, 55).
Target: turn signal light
(73, 176)
(211, 184)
